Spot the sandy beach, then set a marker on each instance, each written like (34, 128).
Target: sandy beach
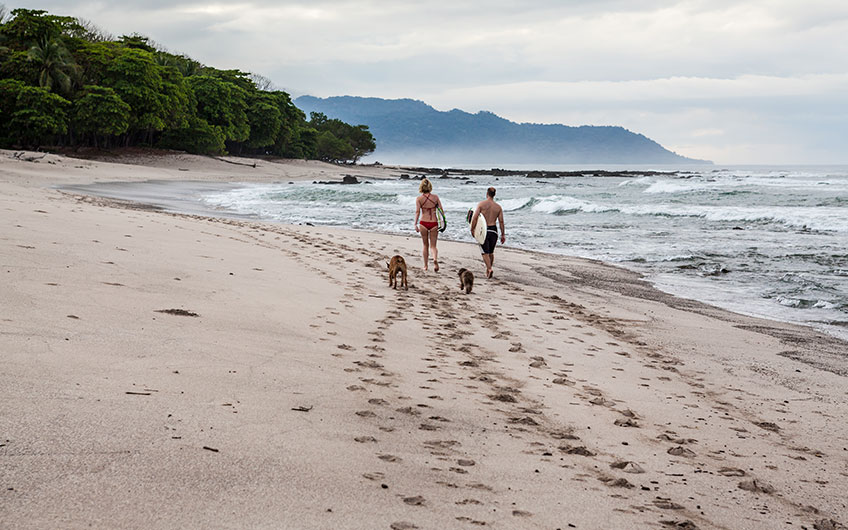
(181, 371)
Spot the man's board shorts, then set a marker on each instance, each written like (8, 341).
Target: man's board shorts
(488, 246)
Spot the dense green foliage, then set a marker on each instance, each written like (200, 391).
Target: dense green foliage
(64, 82)
(338, 141)
(101, 113)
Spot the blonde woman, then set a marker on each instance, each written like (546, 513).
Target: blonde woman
(428, 225)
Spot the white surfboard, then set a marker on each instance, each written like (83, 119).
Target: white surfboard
(479, 232)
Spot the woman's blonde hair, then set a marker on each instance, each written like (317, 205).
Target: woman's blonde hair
(425, 187)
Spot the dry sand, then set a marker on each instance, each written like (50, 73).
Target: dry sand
(175, 371)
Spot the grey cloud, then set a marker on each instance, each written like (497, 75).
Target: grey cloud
(454, 52)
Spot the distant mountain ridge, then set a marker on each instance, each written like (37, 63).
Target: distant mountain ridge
(410, 131)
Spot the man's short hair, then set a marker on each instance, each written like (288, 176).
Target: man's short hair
(490, 192)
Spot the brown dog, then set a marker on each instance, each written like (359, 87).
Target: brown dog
(466, 280)
(397, 265)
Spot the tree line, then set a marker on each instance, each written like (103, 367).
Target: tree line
(66, 83)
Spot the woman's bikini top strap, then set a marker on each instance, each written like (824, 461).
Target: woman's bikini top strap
(429, 198)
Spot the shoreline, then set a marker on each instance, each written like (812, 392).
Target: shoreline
(305, 393)
(182, 204)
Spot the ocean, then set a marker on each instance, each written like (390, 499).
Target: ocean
(762, 241)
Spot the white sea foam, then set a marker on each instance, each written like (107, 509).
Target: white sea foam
(407, 200)
(709, 183)
(561, 204)
(635, 181)
(820, 218)
(461, 206)
(510, 205)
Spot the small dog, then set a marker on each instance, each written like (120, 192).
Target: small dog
(395, 266)
(466, 280)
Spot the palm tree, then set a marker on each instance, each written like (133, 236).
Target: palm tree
(4, 17)
(188, 66)
(55, 64)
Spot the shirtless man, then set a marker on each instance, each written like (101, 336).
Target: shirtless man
(491, 211)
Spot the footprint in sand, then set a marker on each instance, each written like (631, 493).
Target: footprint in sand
(671, 437)
(756, 486)
(667, 504)
(602, 402)
(470, 520)
(564, 434)
(731, 472)
(578, 450)
(414, 501)
(503, 397)
(681, 451)
(402, 525)
(616, 482)
(628, 467)
(767, 425)
(680, 525)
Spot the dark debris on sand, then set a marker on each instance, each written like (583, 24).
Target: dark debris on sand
(178, 312)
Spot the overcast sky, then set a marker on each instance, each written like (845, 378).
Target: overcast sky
(736, 82)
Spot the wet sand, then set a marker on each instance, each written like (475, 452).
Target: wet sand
(170, 371)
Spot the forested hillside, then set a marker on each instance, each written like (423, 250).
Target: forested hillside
(66, 83)
(414, 132)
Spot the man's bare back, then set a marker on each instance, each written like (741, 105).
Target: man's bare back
(493, 214)
(492, 211)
